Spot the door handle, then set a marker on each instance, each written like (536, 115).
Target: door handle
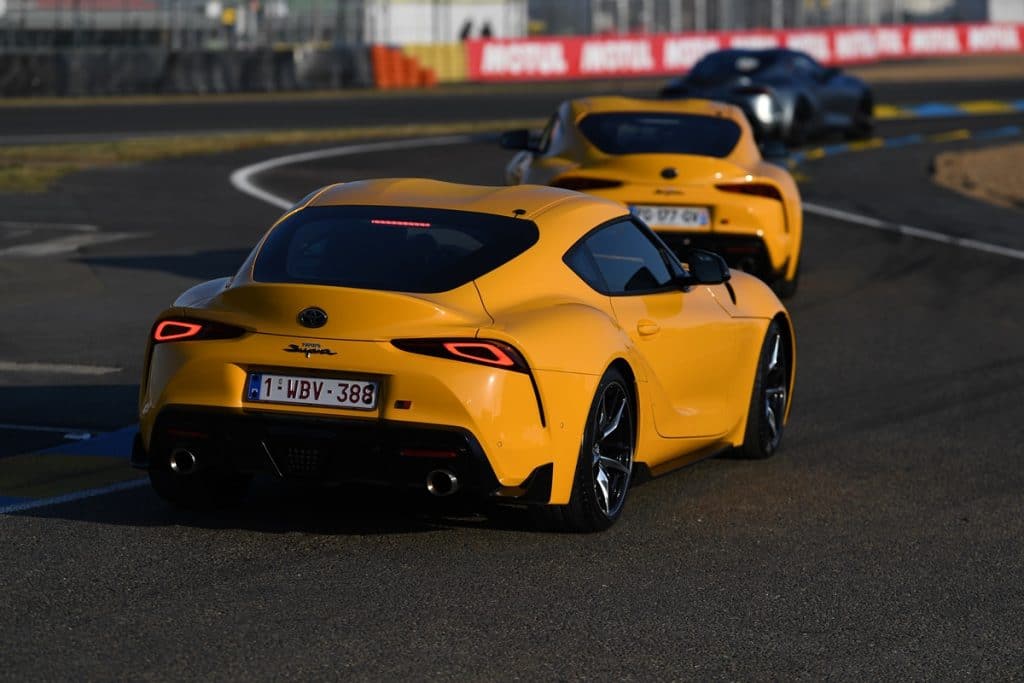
(647, 327)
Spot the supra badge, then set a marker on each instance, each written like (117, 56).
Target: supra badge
(310, 349)
(312, 317)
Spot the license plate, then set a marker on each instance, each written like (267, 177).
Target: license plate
(354, 394)
(673, 216)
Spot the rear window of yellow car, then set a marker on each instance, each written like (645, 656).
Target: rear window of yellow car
(390, 248)
(660, 133)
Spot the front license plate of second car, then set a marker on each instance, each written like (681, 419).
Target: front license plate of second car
(673, 216)
(354, 394)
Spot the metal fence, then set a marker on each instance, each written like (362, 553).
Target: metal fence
(177, 24)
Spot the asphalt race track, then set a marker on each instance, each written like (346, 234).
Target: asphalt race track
(882, 541)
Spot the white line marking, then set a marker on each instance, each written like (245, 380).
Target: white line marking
(69, 432)
(61, 368)
(33, 225)
(66, 245)
(71, 497)
(242, 178)
(911, 231)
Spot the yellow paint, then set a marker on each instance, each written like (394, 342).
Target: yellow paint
(950, 136)
(448, 60)
(987, 107)
(568, 333)
(870, 143)
(570, 156)
(45, 475)
(889, 111)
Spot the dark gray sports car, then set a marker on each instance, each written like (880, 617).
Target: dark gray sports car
(786, 94)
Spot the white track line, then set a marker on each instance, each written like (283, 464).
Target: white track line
(61, 368)
(71, 497)
(911, 231)
(242, 178)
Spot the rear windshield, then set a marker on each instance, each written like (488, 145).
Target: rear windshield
(721, 67)
(388, 248)
(638, 133)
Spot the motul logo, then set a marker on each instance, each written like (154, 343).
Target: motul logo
(616, 56)
(815, 44)
(934, 41)
(889, 42)
(856, 45)
(993, 38)
(682, 53)
(524, 59)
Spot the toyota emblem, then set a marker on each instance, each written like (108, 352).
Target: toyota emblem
(313, 317)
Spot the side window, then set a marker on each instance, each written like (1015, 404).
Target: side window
(626, 259)
(551, 134)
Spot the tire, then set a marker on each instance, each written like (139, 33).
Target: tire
(798, 133)
(769, 399)
(604, 468)
(863, 120)
(204, 489)
(787, 288)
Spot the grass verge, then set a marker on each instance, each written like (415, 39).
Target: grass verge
(34, 168)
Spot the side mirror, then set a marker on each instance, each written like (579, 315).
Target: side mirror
(705, 268)
(519, 139)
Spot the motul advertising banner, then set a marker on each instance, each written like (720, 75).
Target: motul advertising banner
(537, 59)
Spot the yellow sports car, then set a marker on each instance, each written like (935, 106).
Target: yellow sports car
(527, 344)
(690, 169)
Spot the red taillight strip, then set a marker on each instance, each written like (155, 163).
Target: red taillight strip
(174, 330)
(465, 350)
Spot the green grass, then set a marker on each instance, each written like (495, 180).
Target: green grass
(34, 168)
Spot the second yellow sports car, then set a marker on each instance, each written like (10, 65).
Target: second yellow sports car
(526, 344)
(690, 169)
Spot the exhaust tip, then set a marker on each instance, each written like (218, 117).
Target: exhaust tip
(182, 461)
(442, 483)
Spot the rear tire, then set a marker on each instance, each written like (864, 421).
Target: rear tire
(769, 400)
(787, 288)
(863, 121)
(205, 489)
(604, 467)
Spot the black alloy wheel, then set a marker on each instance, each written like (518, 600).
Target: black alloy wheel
(604, 469)
(765, 421)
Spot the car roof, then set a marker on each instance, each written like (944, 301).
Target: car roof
(693, 106)
(562, 216)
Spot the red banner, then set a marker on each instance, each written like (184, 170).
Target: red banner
(537, 59)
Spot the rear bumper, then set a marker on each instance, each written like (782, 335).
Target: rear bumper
(331, 451)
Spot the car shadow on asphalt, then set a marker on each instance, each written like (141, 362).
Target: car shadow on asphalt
(203, 265)
(276, 508)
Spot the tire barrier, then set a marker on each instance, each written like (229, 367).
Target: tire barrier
(142, 70)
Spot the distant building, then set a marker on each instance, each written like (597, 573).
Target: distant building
(443, 21)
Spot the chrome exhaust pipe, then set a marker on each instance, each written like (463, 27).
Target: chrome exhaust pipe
(183, 461)
(442, 483)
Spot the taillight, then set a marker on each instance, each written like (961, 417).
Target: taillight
(490, 352)
(581, 184)
(756, 189)
(189, 329)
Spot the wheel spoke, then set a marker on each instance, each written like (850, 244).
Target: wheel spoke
(773, 361)
(603, 488)
(607, 463)
(773, 426)
(615, 421)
